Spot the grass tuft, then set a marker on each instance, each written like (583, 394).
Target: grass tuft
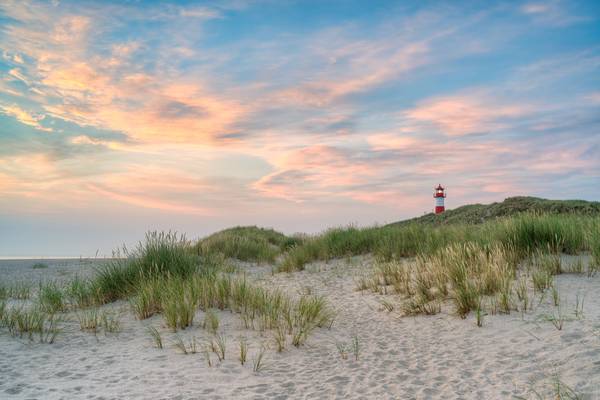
(156, 337)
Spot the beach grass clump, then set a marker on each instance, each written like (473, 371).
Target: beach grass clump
(219, 346)
(505, 297)
(461, 272)
(310, 312)
(466, 298)
(95, 320)
(161, 254)
(298, 256)
(191, 347)
(178, 304)
(528, 232)
(474, 270)
(156, 337)
(333, 243)
(148, 298)
(542, 279)
(81, 293)
(18, 291)
(89, 319)
(258, 360)
(594, 244)
(522, 293)
(39, 265)
(22, 321)
(110, 322)
(30, 323)
(280, 338)
(51, 297)
(248, 243)
(243, 351)
(390, 273)
(211, 322)
(557, 318)
(548, 261)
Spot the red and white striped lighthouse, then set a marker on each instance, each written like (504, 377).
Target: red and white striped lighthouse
(439, 195)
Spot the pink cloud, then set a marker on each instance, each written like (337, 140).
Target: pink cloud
(317, 170)
(464, 114)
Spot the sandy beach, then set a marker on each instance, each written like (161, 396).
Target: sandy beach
(422, 357)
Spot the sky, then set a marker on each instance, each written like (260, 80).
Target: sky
(121, 117)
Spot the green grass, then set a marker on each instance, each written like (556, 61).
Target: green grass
(480, 213)
(17, 291)
(258, 363)
(211, 322)
(156, 337)
(248, 243)
(82, 293)
(148, 298)
(524, 234)
(89, 320)
(51, 297)
(160, 255)
(30, 323)
(178, 304)
(39, 265)
(243, 351)
(594, 244)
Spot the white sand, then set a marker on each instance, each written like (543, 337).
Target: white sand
(440, 357)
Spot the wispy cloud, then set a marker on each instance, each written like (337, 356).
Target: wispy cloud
(553, 12)
(464, 114)
(25, 117)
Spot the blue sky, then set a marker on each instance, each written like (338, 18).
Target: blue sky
(120, 117)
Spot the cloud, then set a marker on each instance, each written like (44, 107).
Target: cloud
(24, 117)
(199, 12)
(553, 13)
(148, 201)
(71, 29)
(15, 73)
(314, 171)
(85, 84)
(464, 114)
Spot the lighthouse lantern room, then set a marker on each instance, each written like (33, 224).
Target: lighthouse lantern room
(439, 195)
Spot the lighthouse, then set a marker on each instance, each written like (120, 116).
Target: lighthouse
(439, 195)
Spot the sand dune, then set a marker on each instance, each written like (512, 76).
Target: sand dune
(424, 357)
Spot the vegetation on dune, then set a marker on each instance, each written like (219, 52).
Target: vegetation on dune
(524, 222)
(248, 243)
(477, 266)
(165, 275)
(32, 323)
(524, 233)
(479, 213)
(160, 255)
(474, 266)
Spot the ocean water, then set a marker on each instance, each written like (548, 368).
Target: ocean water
(55, 269)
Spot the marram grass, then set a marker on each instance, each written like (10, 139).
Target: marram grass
(523, 233)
